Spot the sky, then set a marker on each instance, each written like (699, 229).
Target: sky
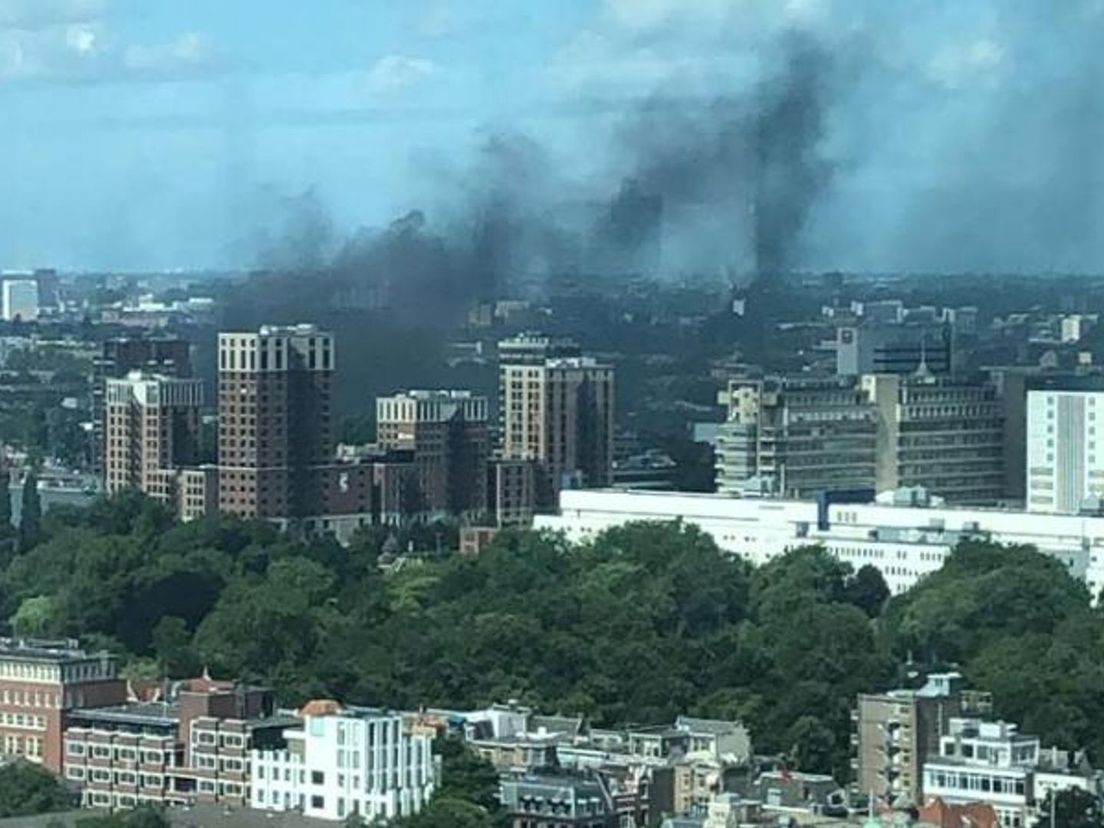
(158, 134)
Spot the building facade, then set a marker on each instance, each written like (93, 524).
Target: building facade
(151, 424)
(992, 762)
(119, 357)
(795, 437)
(447, 434)
(1065, 472)
(557, 411)
(42, 684)
(276, 444)
(345, 761)
(897, 731)
(20, 299)
(191, 745)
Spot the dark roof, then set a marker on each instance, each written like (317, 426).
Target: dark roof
(142, 713)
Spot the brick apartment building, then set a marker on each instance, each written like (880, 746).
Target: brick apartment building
(190, 744)
(42, 685)
(446, 431)
(151, 441)
(276, 437)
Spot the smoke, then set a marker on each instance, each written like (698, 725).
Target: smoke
(756, 138)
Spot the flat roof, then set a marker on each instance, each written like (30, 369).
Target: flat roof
(56, 652)
(155, 713)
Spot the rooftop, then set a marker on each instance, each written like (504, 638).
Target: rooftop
(46, 650)
(164, 714)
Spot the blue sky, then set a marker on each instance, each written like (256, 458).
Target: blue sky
(960, 134)
(158, 133)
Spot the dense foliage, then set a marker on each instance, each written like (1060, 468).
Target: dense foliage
(637, 626)
(27, 789)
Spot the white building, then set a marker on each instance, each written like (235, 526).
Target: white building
(1064, 469)
(20, 299)
(904, 542)
(992, 762)
(346, 760)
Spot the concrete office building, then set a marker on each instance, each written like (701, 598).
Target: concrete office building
(904, 535)
(42, 684)
(875, 346)
(446, 432)
(798, 437)
(119, 357)
(276, 445)
(557, 411)
(795, 437)
(188, 745)
(20, 299)
(898, 730)
(346, 760)
(940, 433)
(151, 426)
(1065, 472)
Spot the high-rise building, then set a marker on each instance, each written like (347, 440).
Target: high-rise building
(20, 299)
(118, 357)
(872, 346)
(275, 420)
(276, 446)
(151, 435)
(558, 411)
(795, 437)
(1065, 471)
(447, 433)
(41, 684)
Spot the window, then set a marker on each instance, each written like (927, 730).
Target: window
(318, 778)
(318, 802)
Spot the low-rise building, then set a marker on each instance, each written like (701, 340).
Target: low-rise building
(993, 763)
(346, 760)
(188, 746)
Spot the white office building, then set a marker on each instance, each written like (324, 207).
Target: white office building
(992, 762)
(20, 299)
(1064, 468)
(346, 760)
(904, 535)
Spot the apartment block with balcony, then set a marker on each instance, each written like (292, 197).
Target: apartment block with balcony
(896, 731)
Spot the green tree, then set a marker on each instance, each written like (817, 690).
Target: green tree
(465, 775)
(36, 617)
(30, 516)
(27, 789)
(868, 591)
(1071, 808)
(172, 645)
(6, 528)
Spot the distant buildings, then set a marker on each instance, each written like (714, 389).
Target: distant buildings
(799, 436)
(118, 357)
(20, 299)
(1065, 471)
(276, 441)
(447, 433)
(341, 761)
(905, 535)
(556, 409)
(151, 425)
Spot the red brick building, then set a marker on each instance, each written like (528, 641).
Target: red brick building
(42, 683)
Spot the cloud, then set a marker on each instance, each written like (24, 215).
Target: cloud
(36, 14)
(185, 54)
(960, 64)
(397, 73)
